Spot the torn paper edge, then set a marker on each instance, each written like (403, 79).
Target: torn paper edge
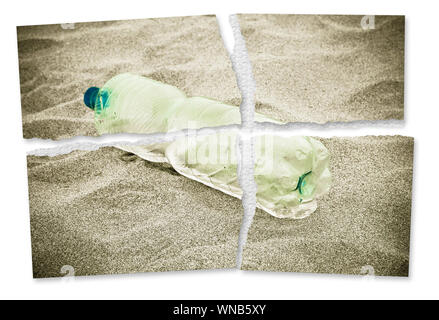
(247, 85)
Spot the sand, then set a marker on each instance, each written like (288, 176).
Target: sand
(109, 211)
(317, 68)
(363, 221)
(58, 64)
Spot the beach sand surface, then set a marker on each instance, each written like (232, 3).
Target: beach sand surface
(321, 68)
(57, 65)
(109, 211)
(361, 225)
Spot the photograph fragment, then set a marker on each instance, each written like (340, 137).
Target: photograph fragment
(326, 68)
(324, 205)
(129, 209)
(338, 205)
(129, 76)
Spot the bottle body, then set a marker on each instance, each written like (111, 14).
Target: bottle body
(135, 104)
(290, 172)
(130, 103)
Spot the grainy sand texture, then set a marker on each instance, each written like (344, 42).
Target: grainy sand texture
(59, 62)
(321, 68)
(361, 225)
(109, 211)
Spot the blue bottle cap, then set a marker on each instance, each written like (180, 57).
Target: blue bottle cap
(90, 97)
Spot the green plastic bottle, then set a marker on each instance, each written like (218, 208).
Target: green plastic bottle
(290, 172)
(130, 103)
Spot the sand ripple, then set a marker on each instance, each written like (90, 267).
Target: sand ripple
(311, 68)
(100, 213)
(57, 65)
(363, 220)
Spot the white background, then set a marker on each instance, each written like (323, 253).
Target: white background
(421, 114)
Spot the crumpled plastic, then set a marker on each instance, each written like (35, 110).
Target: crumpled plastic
(290, 172)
